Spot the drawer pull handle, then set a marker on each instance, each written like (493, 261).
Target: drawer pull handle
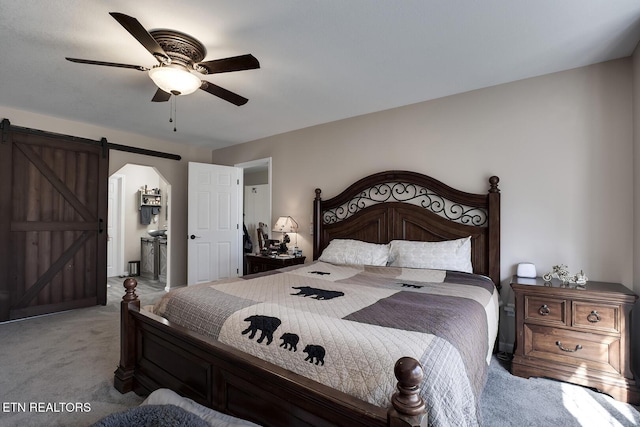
(568, 350)
(544, 310)
(593, 317)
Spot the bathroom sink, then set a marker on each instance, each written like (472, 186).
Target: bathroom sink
(157, 233)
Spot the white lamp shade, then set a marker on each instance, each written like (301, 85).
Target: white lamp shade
(286, 224)
(175, 80)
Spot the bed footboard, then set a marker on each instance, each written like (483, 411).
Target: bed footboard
(157, 354)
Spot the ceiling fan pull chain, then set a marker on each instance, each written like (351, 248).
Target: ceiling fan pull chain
(173, 117)
(175, 112)
(171, 111)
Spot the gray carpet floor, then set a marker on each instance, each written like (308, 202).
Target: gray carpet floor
(513, 401)
(59, 369)
(66, 357)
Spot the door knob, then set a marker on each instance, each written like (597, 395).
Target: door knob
(193, 236)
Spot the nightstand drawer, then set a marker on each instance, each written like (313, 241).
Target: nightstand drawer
(545, 310)
(580, 349)
(594, 316)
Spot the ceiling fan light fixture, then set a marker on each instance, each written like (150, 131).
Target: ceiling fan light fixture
(175, 79)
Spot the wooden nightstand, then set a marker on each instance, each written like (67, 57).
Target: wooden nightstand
(260, 263)
(580, 336)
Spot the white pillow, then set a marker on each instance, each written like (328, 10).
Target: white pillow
(355, 252)
(446, 255)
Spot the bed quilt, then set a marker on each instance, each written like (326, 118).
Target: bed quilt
(345, 327)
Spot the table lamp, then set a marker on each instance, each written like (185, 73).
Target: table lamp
(285, 224)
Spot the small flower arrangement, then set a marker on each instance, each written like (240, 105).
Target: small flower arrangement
(561, 272)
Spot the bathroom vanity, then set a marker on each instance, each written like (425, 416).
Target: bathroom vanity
(153, 258)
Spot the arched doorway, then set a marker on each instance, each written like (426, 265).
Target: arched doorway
(141, 207)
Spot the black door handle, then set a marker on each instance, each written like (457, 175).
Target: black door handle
(193, 236)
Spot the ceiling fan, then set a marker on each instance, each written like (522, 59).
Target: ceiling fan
(178, 55)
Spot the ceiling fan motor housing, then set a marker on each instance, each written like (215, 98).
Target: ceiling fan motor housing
(181, 48)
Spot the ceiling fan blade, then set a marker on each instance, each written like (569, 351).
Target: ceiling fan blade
(235, 63)
(135, 28)
(161, 96)
(223, 93)
(107, 64)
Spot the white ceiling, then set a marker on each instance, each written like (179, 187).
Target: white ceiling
(320, 60)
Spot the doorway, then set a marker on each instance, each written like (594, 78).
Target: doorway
(257, 197)
(150, 254)
(115, 228)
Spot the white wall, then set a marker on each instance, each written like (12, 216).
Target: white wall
(561, 144)
(635, 314)
(636, 159)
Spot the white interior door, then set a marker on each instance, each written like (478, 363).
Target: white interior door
(115, 227)
(214, 222)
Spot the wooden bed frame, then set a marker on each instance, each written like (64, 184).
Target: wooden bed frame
(391, 205)
(400, 205)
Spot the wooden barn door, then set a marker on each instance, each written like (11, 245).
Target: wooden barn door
(53, 190)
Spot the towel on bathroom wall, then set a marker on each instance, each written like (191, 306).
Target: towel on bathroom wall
(145, 214)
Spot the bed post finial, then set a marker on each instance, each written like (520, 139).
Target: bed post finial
(318, 191)
(130, 289)
(408, 408)
(493, 181)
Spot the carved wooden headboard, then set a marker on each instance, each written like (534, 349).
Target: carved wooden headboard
(397, 205)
